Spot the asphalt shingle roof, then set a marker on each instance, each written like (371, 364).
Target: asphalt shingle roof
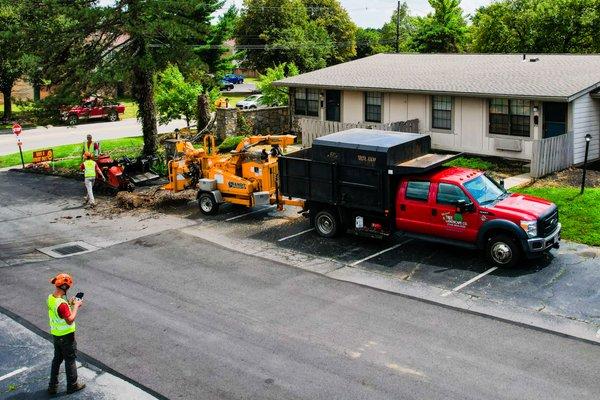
(559, 77)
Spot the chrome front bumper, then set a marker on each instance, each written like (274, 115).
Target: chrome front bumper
(537, 245)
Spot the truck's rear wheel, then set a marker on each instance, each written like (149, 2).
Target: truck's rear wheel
(208, 204)
(327, 224)
(72, 119)
(113, 116)
(503, 251)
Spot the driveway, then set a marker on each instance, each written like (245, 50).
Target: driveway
(41, 137)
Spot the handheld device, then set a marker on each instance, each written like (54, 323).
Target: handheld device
(79, 295)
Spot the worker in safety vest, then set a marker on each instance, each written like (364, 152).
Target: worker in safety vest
(90, 147)
(90, 171)
(62, 314)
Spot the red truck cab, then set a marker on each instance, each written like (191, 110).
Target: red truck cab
(93, 108)
(465, 207)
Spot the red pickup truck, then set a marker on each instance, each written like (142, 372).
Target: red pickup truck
(377, 184)
(92, 108)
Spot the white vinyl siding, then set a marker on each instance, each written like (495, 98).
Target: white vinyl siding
(586, 119)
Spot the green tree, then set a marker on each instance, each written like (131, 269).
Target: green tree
(271, 94)
(369, 42)
(330, 15)
(17, 58)
(273, 32)
(443, 31)
(537, 26)
(98, 45)
(176, 97)
(405, 23)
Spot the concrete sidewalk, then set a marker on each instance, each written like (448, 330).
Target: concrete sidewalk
(25, 364)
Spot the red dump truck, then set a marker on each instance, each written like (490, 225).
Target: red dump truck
(376, 183)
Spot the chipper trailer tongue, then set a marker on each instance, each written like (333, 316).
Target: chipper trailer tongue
(376, 183)
(244, 176)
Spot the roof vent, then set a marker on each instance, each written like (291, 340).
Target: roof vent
(534, 59)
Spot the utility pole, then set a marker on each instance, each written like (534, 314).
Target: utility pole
(398, 28)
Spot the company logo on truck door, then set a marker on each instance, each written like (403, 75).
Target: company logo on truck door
(236, 185)
(455, 220)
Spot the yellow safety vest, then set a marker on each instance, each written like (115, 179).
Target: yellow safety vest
(89, 168)
(58, 326)
(89, 149)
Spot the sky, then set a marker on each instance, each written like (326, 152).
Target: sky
(374, 13)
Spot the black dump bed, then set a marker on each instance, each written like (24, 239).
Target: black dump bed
(356, 168)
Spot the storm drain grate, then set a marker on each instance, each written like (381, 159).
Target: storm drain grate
(68, 249)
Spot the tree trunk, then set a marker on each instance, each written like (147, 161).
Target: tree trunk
(144, 95)
(6, 92)
(203, 111)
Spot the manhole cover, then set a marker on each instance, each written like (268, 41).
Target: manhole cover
(68, 249)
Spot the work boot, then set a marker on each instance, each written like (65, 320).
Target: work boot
(75, 388)
(52, 389)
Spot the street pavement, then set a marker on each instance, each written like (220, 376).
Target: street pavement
(191, 319)
(41, 137)
(25, 362)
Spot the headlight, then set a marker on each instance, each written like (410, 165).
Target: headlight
(530, 227)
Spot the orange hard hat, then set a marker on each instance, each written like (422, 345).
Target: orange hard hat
(62, 279)
(87, 155)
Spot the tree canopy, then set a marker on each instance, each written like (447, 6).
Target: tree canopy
(97, 45)
(443, 31)
(275, 95)
(537, 26)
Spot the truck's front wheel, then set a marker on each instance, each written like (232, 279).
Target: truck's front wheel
(326, 223)
(503, 251)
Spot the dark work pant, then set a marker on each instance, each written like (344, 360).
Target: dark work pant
(65, 349)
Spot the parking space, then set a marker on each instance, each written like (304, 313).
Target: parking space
(565, 283)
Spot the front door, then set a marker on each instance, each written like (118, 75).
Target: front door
(413, 207)
(555, 119)
(448, 220)
(333, 105)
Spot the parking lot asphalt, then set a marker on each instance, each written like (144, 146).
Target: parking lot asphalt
(25, 365)
(564, 285)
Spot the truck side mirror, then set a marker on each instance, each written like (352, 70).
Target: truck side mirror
(462, 206)
(502, 183)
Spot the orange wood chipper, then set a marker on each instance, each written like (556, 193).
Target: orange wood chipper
(247, 175)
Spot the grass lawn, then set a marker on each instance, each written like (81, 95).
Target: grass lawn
(579, 214)
(117, 148)
(131, 108)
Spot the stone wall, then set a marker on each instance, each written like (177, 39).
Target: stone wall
(261, 121)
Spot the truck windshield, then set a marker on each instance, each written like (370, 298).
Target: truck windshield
(484, 190)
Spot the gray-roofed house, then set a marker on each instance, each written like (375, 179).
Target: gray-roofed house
(535, 107)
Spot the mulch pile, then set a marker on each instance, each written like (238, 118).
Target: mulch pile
(153, 198)
(570, 177)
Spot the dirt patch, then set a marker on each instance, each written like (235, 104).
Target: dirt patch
(569, 177)
(153, 199)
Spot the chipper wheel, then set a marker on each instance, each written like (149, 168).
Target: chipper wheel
(207, 203)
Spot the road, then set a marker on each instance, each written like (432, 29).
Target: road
(41, 137)
(191, 320)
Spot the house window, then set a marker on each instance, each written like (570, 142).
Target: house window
(442, 112)
(373, 107)
(306, 102)
(510, 117)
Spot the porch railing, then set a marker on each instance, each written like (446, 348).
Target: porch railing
(313, 128)
(551, 155)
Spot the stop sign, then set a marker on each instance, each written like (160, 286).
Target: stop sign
(16, 128)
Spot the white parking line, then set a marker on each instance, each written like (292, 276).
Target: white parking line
(249, 213)
(15, 372)
(379, 253)
(467, 283)
(295, 234)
